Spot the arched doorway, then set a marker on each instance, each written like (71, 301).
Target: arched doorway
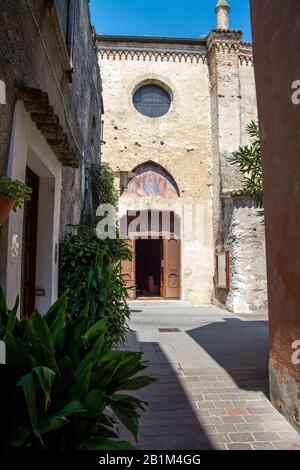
(154, 235)
(155, 269)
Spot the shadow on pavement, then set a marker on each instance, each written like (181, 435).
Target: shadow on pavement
(240, 347)
(172, 421)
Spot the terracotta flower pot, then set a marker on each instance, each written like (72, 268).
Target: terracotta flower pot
(6, 205)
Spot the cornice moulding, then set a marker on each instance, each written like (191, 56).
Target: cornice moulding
(174, 49)
(168, 56)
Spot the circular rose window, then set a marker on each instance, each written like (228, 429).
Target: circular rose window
(152, 101)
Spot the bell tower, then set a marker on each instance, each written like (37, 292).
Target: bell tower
(222, 12)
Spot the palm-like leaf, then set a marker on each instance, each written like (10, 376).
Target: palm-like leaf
(63, 382)
(249, 160)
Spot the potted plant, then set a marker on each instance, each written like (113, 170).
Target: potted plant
(13, 194)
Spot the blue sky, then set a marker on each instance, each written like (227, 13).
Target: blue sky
(181, 18)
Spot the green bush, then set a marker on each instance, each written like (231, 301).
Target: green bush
(106, 293)
(249, 161)
(103, 188)
(90, 271)
(60, 388)
(91, 274)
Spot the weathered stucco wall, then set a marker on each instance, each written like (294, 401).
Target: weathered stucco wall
(85, 112)
(25, 62)
(236, 224)
(29, 148)
(248, 98)
(244, 234)
(244, 231)
(213, 101)
(178, 141)
(277, 66)
(33, 54)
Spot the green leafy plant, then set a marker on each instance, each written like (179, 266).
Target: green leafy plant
(107, 295)
(15, 189)
(91, 268)
(103, 187)
(63, 385)
(91, 274)
(103, 192)
(248, 159)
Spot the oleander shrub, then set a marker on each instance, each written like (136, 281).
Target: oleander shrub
(248, 158)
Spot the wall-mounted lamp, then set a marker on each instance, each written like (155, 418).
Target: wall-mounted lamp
(124, 178)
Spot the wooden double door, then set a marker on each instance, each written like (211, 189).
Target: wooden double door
(157, 265)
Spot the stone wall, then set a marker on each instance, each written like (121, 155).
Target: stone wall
(237, 228)
(34, 54)
(27, 60)
(244, 239)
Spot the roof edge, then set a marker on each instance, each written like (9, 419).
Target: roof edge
(151, 39)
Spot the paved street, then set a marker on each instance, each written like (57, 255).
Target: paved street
(212, 380)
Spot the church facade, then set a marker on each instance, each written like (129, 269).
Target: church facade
(175, 111)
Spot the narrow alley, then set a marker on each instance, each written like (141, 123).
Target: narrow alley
(149, 230)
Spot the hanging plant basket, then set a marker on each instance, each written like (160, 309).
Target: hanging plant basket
(6, 205)
(13, 194)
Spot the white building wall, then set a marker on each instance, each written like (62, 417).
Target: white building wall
(29, 148)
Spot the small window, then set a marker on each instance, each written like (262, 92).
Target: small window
(223, 273)
(152, 101)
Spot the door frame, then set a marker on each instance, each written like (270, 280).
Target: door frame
(174, 232)
(130, 271)
(28, 300)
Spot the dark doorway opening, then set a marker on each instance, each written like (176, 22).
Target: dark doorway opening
(148, 267)
(30, 245)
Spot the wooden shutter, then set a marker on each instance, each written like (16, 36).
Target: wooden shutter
(172, 269)
(128, 271)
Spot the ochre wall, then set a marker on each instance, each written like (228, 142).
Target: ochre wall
(276, 34)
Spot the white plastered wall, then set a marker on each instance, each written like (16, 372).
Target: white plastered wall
(29, 148)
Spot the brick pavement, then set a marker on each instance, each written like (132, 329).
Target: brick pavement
(199, 408)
